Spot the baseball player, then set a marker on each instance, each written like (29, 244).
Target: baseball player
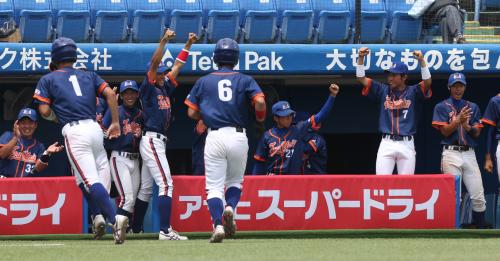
(101, 108)
(98, 220)
(315, 154)
(459, 121)
(398, 119)
(198, 152)
(491, 118)
(155, 92)
(281, 149)
(22, 155)
(68, 96)
(125, 149)
(222, 99)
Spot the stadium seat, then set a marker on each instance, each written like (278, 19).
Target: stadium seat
(258, 19)
(296, 15)
(6, 11)
(71, 19)
(403, 28)
(109, 18)
(332, 20)
(373, 20)
(491, 3)
(35, 20)
(184, 17)
(221, 18)
(147, 20)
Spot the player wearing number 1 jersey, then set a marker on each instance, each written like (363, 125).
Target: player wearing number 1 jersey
(222, 100)
(398, 118)
(68, 96)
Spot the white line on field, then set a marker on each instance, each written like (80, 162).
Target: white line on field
(32, 245)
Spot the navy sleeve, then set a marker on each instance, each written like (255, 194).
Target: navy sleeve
(253, 89)
(99, 83)
(476, 116)
(418, 89)
(193, 99)
(261, 153)
(374, 89)
(42, 92)
(5, 138)
(490, 116)
(106, 120)
(440, 116)
(41, 149)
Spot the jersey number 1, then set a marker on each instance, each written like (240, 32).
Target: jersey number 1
(225, 91)
(76, 85)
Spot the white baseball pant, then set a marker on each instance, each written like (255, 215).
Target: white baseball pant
(125, 172)
(399, 153)
(225, 160)
(464, 165)
(154, 166)
(86, 153)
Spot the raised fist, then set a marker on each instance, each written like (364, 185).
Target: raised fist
(363, 51)
(334, 89)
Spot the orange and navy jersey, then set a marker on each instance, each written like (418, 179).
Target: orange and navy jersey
(398, 108)
(21, 162)
(131, 125)
(155, 102)
(446, 111)
(70, 93)
(281, 150)
(223, 98)
(492, 114)
(315, 154)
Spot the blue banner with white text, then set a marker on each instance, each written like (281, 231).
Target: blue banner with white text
(261, 59)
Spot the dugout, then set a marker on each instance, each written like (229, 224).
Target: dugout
(350, 130)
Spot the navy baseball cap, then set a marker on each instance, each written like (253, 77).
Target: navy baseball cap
(162, 68)
(282, 109)
(398, 68)
(128, 84)
(457, 77)
(27, 113)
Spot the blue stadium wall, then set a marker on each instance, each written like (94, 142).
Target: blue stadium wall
(298, 73)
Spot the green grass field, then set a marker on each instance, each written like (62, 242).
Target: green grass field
(297, 245)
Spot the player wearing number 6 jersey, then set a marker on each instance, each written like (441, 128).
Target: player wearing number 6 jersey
(68, 96)
(222, 99)
(398, 119)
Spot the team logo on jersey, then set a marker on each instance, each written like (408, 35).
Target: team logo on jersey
(390, 104)
(282, 148)
(131, 127)
(163, 102)
(25, 156)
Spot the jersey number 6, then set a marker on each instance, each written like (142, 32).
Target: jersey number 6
(225, 91)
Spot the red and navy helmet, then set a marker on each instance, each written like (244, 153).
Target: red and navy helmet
(226, 51)
(63, 49)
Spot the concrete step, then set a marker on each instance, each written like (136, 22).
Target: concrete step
(482, 30)
(476, 40)
(493, 37)
(469, 24)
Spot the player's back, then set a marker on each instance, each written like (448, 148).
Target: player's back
(224, 98)
(72, 93)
